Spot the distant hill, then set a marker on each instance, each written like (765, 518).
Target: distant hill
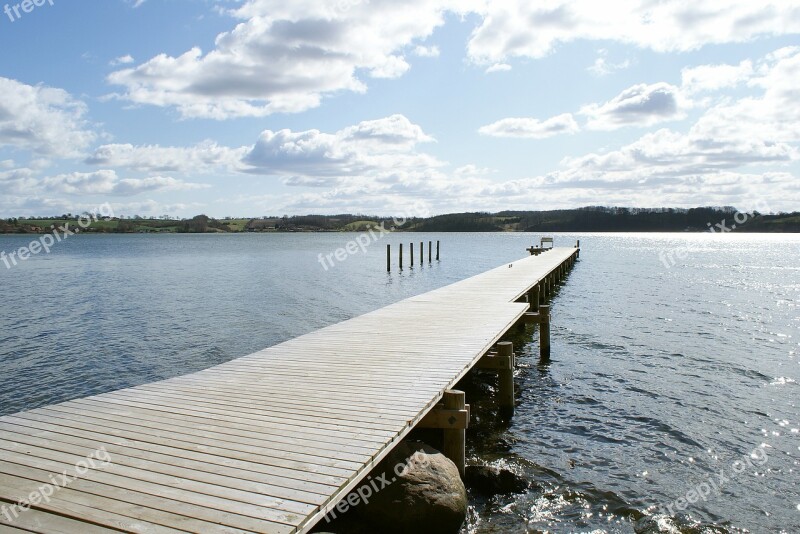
(588, 219)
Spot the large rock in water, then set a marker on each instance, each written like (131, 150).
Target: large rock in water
(491, 480)
(427, 497)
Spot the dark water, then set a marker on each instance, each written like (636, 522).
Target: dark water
(670, 372)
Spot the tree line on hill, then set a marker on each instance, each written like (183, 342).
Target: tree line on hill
(588, 219)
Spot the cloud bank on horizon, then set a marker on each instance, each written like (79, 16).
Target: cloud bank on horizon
(257, 107)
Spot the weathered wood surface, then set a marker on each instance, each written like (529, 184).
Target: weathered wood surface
(266, 443)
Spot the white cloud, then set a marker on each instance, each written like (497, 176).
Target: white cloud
(25, 181)
(43, 120)
(122, 60)
(532, 128)
(375, 149)
(739, 152)
(513, 28)
(285, 57)
(106, 182)
(203, 158)
(715, 77)
(498, 67)
(772, 117)
(602, 67)
(471, 171)
(427, 51)
(640, 105)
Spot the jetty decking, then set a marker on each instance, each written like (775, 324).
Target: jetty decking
(266, 443)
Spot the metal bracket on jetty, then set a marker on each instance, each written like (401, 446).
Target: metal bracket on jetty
(274, 441)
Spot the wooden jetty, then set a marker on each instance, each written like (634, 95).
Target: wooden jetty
(270, 442)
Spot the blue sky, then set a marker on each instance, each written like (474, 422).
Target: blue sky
(256, 107)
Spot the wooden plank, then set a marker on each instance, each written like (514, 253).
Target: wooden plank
(174, 496)
(51, 449)
(254, 465)
(302, 471)
(146, 520)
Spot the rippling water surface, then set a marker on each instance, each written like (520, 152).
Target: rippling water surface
(675, 357)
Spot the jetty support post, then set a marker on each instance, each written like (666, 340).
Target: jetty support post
(437, 250)
(401, 256)
(388, 258)
(455, 440)
(506, 379)
(534, 299)
(544, 333)
(578, 246)
(430, 251)
(542, 318)
(502, 362)
(411, 249)
(421, 253)
(451, 415)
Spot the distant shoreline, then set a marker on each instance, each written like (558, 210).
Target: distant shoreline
(591, 219)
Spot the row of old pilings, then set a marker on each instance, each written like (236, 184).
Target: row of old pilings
(411, 253)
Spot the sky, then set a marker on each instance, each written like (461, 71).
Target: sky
(272, 107)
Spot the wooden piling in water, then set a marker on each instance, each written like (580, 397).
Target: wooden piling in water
(534, 299)
(411, 248)
(544, 333)
(388, 258)
(430, 251)
(437, 250)
(401, 256)
(421, 253)
(455, 439)
(506, 380)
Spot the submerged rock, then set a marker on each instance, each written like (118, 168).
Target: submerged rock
(489, 480)
(424, 494)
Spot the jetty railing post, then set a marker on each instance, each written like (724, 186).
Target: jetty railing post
(506, 380)
(430, 251)
(388, 258)
(401, 256)
(437, 250)
(544, 333)
(455, 440)
(411, 248)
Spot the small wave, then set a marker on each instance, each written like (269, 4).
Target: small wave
(664, 524)
(782, 381)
